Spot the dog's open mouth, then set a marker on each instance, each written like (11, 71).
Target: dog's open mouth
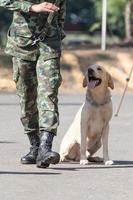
(94, 82)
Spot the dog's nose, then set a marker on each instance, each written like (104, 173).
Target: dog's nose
(90, 71)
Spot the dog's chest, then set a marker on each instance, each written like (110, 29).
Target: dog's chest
(95, 126)
(97, 119)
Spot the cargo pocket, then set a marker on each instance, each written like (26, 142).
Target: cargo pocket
(21, 46)
(15, 74)
(55, 79)
(21, 36)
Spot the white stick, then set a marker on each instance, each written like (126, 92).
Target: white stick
(125, 89)
(104, 24)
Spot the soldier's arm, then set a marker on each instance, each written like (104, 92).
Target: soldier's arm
(16, 5)
(25, 6)
(62, 15)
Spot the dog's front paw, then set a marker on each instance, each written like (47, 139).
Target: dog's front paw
(84, 162)
(62, 158)
(109, 162)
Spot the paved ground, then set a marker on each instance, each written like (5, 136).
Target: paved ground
(65, 181)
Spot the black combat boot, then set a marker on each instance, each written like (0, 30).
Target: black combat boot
(30, 158)
(45, 155)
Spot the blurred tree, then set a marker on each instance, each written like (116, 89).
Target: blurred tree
(5, 20)
(119, 18)
(128, 26)
(116, 17)
(80, 14)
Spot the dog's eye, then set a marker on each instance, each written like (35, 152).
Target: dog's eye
(99, 69)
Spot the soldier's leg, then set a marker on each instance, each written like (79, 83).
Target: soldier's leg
(49, 80)
(24, 75)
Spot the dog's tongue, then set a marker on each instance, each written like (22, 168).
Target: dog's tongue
(92, 84)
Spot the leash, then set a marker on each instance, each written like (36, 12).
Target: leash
(44, 30)
(125, 89)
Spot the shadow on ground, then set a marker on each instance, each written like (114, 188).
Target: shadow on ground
(27, 173)
(6, 142)
(117, 164)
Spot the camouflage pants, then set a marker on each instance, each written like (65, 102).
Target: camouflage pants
(37, 85)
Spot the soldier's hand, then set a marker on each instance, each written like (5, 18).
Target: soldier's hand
(44, 7)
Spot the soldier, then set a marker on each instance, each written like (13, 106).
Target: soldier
(35, 47)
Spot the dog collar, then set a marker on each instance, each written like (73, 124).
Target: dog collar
(93, 103)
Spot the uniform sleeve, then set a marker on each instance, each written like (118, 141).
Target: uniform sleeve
(14, 5)
(62, 15)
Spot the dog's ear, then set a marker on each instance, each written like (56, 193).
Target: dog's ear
(84, 82)
(110, 81)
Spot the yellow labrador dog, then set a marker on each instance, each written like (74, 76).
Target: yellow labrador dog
(91, 124)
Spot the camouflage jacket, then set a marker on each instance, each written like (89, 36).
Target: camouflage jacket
(27, 24)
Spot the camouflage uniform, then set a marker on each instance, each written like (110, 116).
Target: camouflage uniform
(36, 69)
